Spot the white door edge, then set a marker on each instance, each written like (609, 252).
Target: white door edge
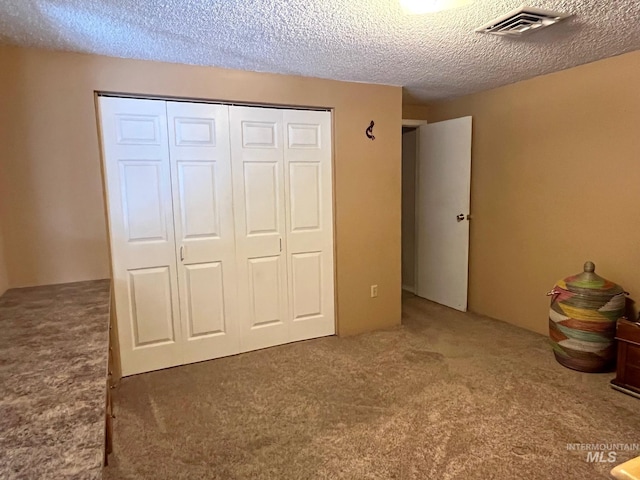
(413, 123)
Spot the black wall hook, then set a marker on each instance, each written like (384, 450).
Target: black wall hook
(369, 131)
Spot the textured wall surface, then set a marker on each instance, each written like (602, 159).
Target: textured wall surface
(4, 127)
(53, 208)
(434, 56)
(4, 277)
(555, 182)
(415, 112)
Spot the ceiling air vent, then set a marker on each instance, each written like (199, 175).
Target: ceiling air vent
(522, 21)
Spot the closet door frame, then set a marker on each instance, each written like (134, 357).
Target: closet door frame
(124, 340)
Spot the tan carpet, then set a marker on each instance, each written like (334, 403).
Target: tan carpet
(445, 396)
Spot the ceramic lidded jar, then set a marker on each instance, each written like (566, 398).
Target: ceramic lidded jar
(582, 320)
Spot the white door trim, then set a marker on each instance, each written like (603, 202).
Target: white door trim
(413, 123)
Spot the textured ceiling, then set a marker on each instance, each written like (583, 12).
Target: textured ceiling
(433, 56)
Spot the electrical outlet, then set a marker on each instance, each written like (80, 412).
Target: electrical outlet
(374, 291)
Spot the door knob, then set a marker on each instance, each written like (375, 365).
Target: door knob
(460, 217)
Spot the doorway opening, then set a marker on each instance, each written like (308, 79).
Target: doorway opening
(436, 183)
(409, 162)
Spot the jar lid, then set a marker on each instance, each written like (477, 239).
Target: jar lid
(589, 283)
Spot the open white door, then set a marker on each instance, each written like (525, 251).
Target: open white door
(442, 212)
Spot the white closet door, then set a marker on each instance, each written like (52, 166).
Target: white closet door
(307, 154)
(259, 202)
(203, 212)
(136, 153)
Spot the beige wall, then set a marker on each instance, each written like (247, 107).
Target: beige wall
(415, 112)
(4, 278)
(52, 209)
(555, 182)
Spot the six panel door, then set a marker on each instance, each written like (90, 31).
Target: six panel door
(307, 148)
(221, 228)
(258, 188)
(203, 215)
(138, 186)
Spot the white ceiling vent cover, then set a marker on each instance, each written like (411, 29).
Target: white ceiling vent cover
(521, 21)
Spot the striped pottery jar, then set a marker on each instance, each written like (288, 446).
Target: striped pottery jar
(582, 320)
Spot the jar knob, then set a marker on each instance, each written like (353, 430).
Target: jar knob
(589, 267)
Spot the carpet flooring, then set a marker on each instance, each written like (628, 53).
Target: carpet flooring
(446, 395)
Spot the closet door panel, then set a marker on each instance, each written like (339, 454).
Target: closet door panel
(305, 187)
(151, 306)
(203, 211)
(259, 204)
(264, 291)
(261, 200)
(308, 183)
(143, 205)
(204, 313)
(306, 272)
(199, 210)
(138, 190)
